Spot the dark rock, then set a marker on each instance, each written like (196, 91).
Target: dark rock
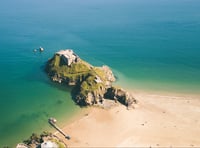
(118, 94)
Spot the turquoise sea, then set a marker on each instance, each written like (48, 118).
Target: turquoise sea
(149, 44)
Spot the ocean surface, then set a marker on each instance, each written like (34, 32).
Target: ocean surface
(149, 44)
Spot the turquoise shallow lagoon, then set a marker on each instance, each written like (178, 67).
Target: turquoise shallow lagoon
(152, 45)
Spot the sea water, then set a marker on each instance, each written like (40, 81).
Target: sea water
(152, 44)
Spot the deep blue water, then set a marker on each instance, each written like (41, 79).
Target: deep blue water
(151, 44)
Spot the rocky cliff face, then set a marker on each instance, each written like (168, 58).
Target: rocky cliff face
(91, 84)
(118, 94)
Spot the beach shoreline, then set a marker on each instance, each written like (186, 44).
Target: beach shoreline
(158, 120)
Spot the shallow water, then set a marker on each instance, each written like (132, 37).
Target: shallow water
(149, 45)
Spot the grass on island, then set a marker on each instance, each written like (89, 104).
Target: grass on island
(81, 72)
(76, 71)
(89, 85)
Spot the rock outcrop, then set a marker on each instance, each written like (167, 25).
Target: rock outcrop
(45, 139)
(118, 94)
(91, 84)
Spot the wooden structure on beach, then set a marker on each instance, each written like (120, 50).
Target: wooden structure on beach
(53, 121)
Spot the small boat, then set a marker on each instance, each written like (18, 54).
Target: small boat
(52, 120)
(41, 49)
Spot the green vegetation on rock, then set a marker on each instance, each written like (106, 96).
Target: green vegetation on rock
(35, 141)
(75, 69)
(91, 83)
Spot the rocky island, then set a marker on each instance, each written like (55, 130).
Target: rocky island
(91, 85)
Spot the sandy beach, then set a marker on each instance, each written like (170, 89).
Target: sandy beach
(157, 121)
